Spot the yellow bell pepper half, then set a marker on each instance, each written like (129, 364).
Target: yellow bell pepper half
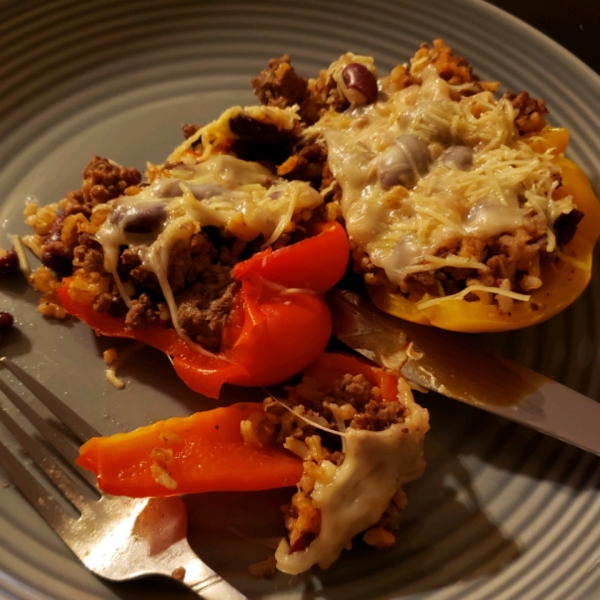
(564, 279)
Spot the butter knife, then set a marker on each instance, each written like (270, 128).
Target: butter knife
(452, 365)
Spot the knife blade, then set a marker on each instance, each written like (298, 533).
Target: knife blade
(452, 365)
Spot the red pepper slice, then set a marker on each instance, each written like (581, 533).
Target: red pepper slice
(274, 332)
(327, 247)
(201, 453)
(280, 334)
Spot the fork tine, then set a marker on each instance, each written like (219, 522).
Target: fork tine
(58, 441)
(69, 417)
(55, 515)
(72, 490)
(63, 447)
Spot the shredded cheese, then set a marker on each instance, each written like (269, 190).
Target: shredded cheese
(506, 182)
(474, 288)
(438, 262)
(23, 262)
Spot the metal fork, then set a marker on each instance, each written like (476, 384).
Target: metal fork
(115, 537)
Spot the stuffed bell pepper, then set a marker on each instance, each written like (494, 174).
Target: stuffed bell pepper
(348, 436)
(215, 259)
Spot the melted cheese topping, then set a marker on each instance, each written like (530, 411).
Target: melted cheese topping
(239, 197)
(353, 496)
(440, 202)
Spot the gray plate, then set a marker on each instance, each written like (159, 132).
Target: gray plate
(501, 512)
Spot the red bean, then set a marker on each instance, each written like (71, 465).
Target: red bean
(459, 156)
(141, 218)
(118, 308)
(9, 263)
(6, 322)
(54, 260)
(403, 162)
(360, 84)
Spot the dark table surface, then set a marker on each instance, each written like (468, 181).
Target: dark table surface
(574, 25)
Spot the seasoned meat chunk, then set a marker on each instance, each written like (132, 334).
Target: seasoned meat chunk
(103, 180)
(530, 112)
(279, 84)
(203, 311)
(141, 314)
(189, 259)
(322, 94)
(306, 165)
(378, 416)
(103, 303)
(88, 254)
(130, 268)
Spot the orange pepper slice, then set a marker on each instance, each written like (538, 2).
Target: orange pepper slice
(201, 453)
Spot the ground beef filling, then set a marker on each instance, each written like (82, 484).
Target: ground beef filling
(530, 112)
(142, 313)
(279, 85)
(200, 268)
(203, 286)
(58, 247)
(307, 164)
(351, 400)
(103, 180)
(205, 308)
(514, 262)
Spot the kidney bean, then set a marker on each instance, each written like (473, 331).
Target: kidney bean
(459, 156)
(260, 141)
(56, 261)
(9, 263)
(117, 308)
(360, 85)
(565, 226)
(204, 191)
(57, 255)
(166, 188)
(141, 218)
(146, 220)
(170, 188)
(6, 322)
(402, 162)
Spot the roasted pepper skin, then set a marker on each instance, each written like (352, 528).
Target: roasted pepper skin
(280, 321)
(564, 280)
